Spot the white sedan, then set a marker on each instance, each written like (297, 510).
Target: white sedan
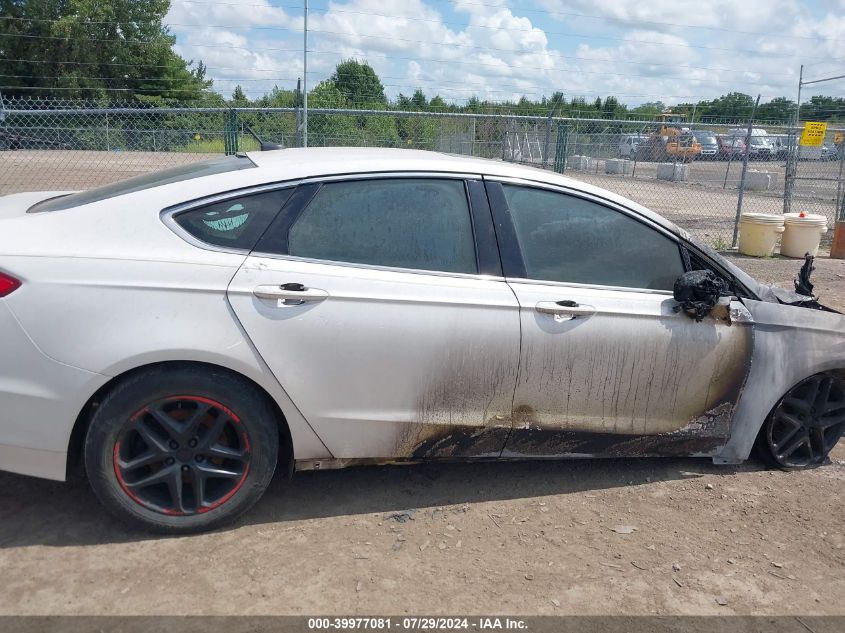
(190, 332)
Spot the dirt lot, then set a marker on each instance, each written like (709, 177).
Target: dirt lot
(647, 536)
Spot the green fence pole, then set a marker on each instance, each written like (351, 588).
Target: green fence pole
(561, 147)
(230, 133)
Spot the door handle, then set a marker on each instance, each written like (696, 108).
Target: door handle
(564, 310)
(292, 294)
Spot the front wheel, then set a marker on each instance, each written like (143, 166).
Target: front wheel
(181, 448)
(805, 425)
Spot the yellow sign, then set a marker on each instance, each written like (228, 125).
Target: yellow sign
(839, 138)
(813, 135)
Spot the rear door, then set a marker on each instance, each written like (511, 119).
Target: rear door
(379, 304)
(607, 365)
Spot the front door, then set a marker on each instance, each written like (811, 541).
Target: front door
(369, 300)
(607, 366)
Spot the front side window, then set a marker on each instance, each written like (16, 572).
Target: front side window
(418, 223)
(568, 239)
(235, 223)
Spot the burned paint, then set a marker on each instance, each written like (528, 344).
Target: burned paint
(462, 442)
(791, 343)
(611, 381)
(465, 408)
(705, 434)
(605, 392)
(702, 435)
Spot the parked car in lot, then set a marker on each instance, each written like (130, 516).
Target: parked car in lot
(829, 152)
(628, 144)
(780, 146)
(188, 333)
(709, 144)
(760, 148)
(759, 145)
(730, 147)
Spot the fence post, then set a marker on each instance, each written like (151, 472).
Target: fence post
(5, 142)
(744, 170)
(230, 133)
(791, 172)
(547, 140)
(560, 148)
(837, 246)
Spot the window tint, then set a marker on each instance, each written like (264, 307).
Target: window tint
(236, 222)
(146, 181)
(564, 238)
(403, 223)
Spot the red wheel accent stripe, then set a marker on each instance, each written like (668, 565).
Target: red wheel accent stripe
(210, 402)
(116, 456)
(121, 481)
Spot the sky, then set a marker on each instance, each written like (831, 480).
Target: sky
(659, 50)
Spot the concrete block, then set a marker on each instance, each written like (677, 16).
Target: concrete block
(618, 166)
(758, 180)
(672, 171)
(579, 162)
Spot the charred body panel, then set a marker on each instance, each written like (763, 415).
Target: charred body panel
(633, 378)
(702, 436)
(790, 344)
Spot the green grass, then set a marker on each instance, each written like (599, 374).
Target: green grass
(720, 245)
(217, 146)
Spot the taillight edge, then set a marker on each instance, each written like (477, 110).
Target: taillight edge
(8, 284)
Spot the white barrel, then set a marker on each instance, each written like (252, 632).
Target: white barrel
(758, 233)
(803, 234)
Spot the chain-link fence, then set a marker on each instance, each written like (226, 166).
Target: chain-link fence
(688, 172)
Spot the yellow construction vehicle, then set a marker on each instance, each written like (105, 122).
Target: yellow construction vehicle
(668, 141)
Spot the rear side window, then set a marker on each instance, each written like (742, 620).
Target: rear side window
(147, 181)
(234, 223)
(569, 239)
(418, 223)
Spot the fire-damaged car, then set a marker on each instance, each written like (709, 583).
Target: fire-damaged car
(186, 334)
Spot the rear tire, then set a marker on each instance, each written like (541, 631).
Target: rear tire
(181, 448)
(805, 425)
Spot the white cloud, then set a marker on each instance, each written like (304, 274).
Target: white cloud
(634, 50)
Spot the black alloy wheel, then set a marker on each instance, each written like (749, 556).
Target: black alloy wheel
(183, 447)
(182, 455)
(806, 424)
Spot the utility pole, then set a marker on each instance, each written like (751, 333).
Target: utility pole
(305, 77)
